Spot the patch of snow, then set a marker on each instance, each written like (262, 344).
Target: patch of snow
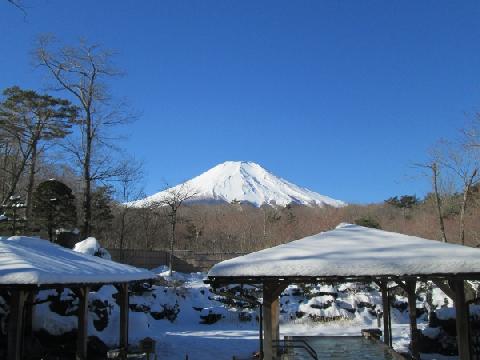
(53, 323)
(91, 246)
(245, 181)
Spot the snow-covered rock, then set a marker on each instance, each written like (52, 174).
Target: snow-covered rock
(91, 246)
(245, 181)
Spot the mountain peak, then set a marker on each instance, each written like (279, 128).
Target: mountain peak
(247, 181)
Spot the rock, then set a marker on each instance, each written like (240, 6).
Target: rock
(100, 308)
(96, 348)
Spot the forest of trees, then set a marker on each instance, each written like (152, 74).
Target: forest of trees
(62, 167)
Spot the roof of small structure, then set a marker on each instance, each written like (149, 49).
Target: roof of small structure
(32, 261)
(352, 251)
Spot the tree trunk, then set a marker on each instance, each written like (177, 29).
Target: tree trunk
(122, 233)
(18, 174)
(87, 196)
(438, 201)
(466, 193)
(172, 242)
(50, 223)
(3, 171)
(462, 214)
(31, 184)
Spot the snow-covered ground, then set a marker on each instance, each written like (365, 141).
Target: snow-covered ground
(185, 317)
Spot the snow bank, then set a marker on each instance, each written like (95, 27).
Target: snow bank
(25, 260)
(92, 247)
(352, 250)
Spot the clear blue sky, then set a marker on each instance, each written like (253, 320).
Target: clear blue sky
(338, 96)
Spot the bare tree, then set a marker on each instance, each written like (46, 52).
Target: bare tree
(171, 200)
(128, 190)
(19, 5)
(462, 161)
(83, 71)
(434, 169)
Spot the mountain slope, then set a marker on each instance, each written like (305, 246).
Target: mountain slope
(246, 182)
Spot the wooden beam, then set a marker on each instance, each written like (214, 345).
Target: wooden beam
(219, 281)
(462, 317)
(82, 335)
(16, 324)
(412, 314)
(124, 304)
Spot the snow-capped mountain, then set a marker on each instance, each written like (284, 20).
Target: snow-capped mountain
(245, 181)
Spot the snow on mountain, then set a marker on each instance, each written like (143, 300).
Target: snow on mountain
(245, 181)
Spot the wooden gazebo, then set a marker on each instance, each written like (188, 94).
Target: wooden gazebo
(356, 253)
(28, 265)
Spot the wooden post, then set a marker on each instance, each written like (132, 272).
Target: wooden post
(386, 313)
(267, 327)
(28, 322)
(275, 319)
(30, 299)
(389, 307)
(412, 314)
(82, 336)
(271, 319)
(260, 330)
(461, 310)
(16, 324)
(124, 304)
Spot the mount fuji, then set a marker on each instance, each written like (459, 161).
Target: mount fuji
(245, 181)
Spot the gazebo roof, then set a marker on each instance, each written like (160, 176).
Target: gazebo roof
(32, 261)
(352, 251)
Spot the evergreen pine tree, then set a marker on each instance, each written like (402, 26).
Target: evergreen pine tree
(54, 206)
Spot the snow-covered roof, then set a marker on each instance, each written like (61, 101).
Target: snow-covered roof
(27, 261)
(353, 251)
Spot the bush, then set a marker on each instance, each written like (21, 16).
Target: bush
(368, 221)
